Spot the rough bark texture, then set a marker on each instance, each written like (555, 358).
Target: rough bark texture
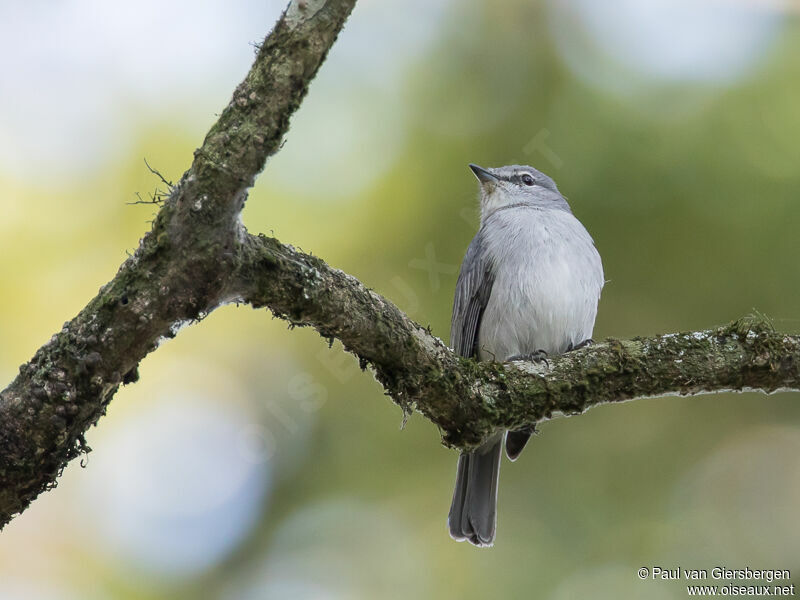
(178, 274)
(198, 256)
(468, 399)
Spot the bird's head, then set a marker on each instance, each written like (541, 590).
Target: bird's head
(516, 185)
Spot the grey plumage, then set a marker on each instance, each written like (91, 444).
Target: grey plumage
(472, 294)
(473, 512)
(530, 281)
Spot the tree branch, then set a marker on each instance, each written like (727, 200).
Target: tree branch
(177, 274)
(198, 256)
(468, 400)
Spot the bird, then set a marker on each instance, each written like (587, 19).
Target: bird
(528, 288)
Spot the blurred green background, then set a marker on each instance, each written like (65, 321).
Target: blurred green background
(253, 462)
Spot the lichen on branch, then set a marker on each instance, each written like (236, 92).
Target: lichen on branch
(467, 399)
(179, 272)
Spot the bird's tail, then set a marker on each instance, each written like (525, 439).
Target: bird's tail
(473, 513)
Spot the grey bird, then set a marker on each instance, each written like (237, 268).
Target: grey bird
(528, 287)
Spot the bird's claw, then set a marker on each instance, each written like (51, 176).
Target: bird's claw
(538, 356)
(583, 344)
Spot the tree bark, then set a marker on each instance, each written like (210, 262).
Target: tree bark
(467, 399)
(179, 273)
(198, 256)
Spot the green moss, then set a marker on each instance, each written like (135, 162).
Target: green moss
(756, 322)
(757, 332)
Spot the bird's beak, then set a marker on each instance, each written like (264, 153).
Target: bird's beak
(482, 174)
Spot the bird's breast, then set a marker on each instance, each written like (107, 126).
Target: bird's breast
(548, 278)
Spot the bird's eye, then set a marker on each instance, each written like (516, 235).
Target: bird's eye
(527, 179)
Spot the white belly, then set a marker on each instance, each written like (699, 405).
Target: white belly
(548, 278)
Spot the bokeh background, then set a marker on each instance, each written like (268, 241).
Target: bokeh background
(252, 462)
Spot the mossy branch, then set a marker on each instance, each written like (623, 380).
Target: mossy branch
(198, 256)
(179, 273)
(468, 400)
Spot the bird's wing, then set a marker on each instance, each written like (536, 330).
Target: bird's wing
(472, 295)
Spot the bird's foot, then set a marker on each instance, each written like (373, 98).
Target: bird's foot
(583, 344)
(538, 356)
